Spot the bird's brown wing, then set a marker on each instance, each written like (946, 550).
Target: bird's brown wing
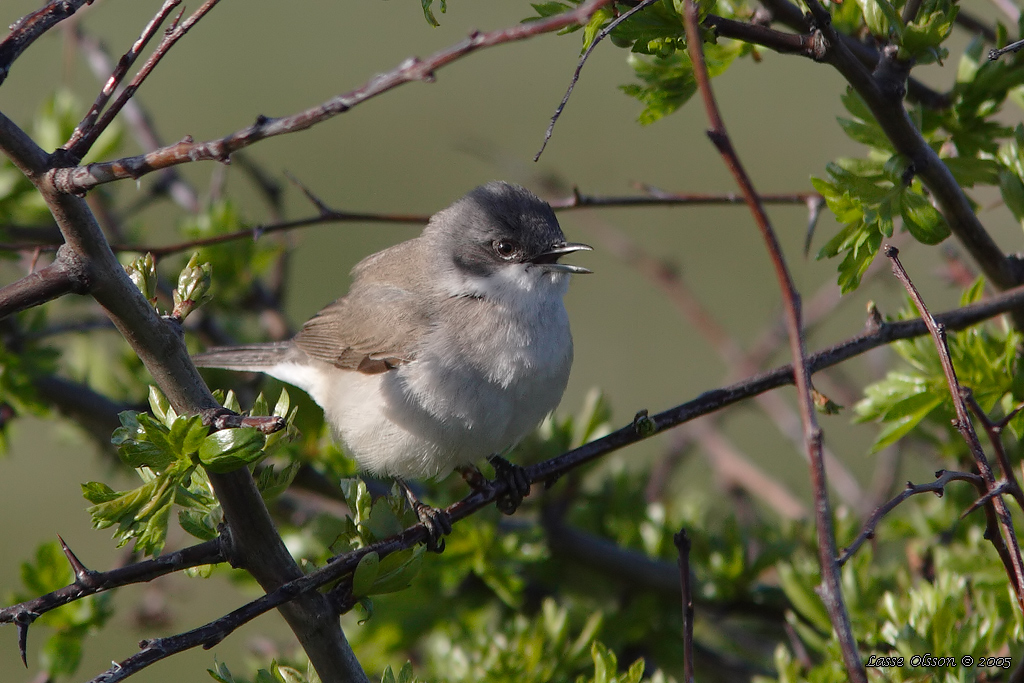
(374, 328)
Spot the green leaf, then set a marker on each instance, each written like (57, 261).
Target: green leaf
(365, 574)
(923, 220)
(62, 653)
(230, 449)
(803, 598)
(428, 13)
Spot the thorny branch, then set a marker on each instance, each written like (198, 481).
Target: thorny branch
(90, 582)
(831, 586)
(1012, 557)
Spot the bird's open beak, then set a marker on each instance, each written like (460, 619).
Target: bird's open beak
(549, 259)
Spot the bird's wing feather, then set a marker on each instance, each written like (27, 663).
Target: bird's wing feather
(374, 328)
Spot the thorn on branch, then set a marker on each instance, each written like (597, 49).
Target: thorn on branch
(83, 575)
(23, 620)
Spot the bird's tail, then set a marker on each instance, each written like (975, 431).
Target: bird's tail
(247, 358)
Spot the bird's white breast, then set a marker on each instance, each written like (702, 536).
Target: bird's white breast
(480, 382)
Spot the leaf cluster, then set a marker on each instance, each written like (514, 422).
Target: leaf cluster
(171, 455)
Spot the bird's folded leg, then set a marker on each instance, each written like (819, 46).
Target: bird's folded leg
(437, 522)
(517, 484)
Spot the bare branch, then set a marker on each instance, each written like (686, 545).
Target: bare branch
(53, 281)
(831, 585)
(1015, 566)
(87, 132)
(25, 31)
(90, 582)
(937, 487)
(142, 128)
(82, 178)
(120, 71)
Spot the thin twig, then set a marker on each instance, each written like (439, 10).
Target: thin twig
(938, 487)
(119, 72)
(78, 147)
(328, 215)
(82, 178)
(994, 431)
(683, 547)
(831, 586)
(25, 31)
(170, 183)
(90, 582)
(579, 68)
(1015, 568)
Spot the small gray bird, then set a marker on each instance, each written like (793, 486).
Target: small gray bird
(448, 348)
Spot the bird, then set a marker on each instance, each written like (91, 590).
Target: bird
(448, 348)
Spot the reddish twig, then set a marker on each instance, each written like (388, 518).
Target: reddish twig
(82, 178)
(831, 587)
(994, 431)
(118, 74)
(937, 487)
(87, 132)
(1015, 565)
(142, 128)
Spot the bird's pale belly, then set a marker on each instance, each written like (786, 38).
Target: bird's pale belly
(393, 425)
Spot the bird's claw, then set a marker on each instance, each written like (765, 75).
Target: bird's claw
(437, 522)
(517, 484)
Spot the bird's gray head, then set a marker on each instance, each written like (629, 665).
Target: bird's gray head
(500, 227)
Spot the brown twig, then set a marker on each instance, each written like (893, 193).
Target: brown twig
(120, 71)
(601, 35)
(328, 215)
(25, 31)
(83, 178)
(1015, 568)
(831, 586)
(994, 429)
(89, 130)
(53, 281)
(938, 487)
(683, 547)
(143, 129)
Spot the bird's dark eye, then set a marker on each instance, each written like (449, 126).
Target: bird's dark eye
(506, 249)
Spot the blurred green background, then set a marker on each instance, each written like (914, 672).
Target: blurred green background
(416, 149)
